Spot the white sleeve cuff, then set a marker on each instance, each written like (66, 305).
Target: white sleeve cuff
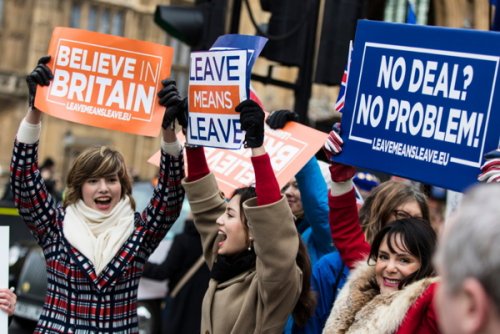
(174, 149)
(28, 133)
(340, 188)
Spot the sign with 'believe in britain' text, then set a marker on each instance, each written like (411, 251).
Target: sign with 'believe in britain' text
(105, 81)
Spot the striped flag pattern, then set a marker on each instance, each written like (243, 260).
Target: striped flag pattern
(339, 105)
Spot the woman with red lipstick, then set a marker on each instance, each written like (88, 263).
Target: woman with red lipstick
(95, 245)
(390, 202)
(391, 292)
(259, 267)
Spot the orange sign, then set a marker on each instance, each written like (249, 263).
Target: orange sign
(289, 150)
(105, 81)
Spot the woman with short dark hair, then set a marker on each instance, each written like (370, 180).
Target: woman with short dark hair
(398, 276)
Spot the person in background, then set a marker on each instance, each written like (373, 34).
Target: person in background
(183, 311)
(259, 266)
(436, 199)
(48, 173)
(329, 275)
(306, 194)
(95, 244)
(468, 299)
(365, 182)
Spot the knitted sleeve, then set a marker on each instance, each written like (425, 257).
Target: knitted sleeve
(266, 185)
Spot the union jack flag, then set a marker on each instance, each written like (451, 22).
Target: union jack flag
(339, 105)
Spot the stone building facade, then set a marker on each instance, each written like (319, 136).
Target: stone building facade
(25, 31)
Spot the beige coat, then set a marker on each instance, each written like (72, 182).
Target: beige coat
(259, 300)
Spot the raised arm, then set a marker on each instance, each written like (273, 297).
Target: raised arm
(313, 193)
(166, 203)
(252, 122)
(205, 200)
(269, 217)
(35, 204)
(344, 220)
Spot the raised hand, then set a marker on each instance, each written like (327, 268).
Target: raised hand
(176, 106)
(332, 147)
(252, 122)
(41, 75)
(279, 118)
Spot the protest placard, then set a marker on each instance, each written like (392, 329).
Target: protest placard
(422, 102)
(289, 149)
(4, 272)
(219, 80)
(217, 84)
(105, 81)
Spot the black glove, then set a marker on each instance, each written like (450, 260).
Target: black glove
(279, 118)
(176, 107)
(252, 122)
(41, 75)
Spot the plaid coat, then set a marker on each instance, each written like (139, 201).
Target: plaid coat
(77, 300)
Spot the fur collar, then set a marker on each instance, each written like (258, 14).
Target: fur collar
(361, 309)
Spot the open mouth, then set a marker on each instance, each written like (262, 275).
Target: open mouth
(391, 282)
(102, 202)
(221, 237)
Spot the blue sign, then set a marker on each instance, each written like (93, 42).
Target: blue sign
(253, 45)
(422, 102)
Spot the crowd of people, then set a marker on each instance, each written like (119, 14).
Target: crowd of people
(304, 258)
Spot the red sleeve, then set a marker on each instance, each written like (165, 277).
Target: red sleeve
(197, 166)
(266, 185)
(421, 317)
(347, 235)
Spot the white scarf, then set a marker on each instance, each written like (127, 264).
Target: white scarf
(98, 235)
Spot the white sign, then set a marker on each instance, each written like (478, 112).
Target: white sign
(217, 84)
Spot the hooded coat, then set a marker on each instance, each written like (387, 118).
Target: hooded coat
(360, 308)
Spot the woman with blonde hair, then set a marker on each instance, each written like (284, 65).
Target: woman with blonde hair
(390, 200)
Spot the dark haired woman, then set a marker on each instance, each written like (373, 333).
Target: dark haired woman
(259, 267)
(392, 292)
(389, 202)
